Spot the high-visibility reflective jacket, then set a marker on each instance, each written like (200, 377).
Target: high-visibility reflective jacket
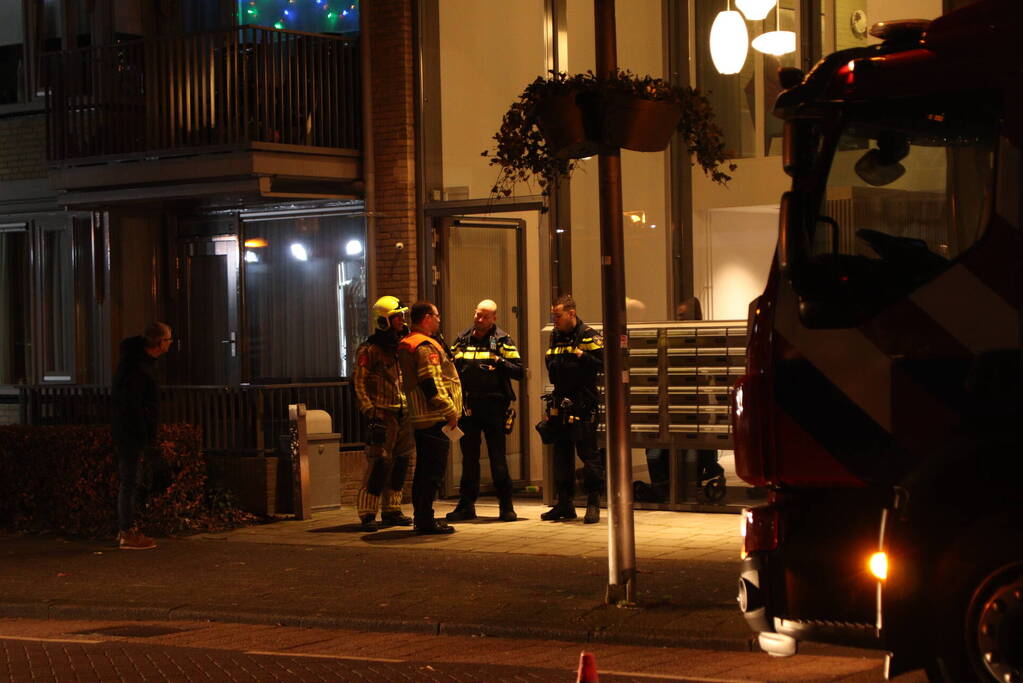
(430, 380)
(486, 365)
(574, 375)
(377, 378)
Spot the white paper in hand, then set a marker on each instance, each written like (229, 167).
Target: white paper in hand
(453, 433)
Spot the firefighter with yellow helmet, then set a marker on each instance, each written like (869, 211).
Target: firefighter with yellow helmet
(389, 443)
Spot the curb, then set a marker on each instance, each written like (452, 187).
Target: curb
(73, 610)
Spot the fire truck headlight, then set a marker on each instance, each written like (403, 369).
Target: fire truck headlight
(879, 565)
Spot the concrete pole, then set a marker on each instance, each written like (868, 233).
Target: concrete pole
(621, 531)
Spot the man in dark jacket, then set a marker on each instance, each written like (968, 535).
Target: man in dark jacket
(136, 417)
(574, 359)
(487, 361)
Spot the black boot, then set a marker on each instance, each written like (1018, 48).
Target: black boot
(433, 526)
(507, 512)
(395, 518)
(367, 523)
(463, 512)
(563, 510)
(592, 510)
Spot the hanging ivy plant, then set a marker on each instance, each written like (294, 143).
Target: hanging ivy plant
(560, 118)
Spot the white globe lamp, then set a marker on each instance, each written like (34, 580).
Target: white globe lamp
(729, 42)
(755, 10)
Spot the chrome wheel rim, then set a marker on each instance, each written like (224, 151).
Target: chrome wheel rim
(998, 625)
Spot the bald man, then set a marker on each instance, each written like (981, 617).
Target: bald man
(487, 362)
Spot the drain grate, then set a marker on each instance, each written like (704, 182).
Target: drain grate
(132, 631)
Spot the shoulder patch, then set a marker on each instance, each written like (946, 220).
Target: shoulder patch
(434, 359)
(363, 359)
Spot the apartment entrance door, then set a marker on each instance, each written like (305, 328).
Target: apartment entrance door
(479, 258)
(209, 340)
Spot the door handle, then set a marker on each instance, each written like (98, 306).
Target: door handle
(231, 341)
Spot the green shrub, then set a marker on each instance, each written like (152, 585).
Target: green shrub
(65, 479)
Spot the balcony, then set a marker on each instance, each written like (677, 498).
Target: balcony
(260, 110)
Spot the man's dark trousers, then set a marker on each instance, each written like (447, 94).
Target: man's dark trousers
(577, 438)
(130, 455)
(432, 447)
(486, 418)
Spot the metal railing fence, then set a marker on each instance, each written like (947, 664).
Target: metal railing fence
(219, 88)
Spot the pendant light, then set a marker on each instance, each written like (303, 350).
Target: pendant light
(776, 42)
(755, 10)
(729, 41)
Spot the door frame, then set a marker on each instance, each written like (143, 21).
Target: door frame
(440, 227)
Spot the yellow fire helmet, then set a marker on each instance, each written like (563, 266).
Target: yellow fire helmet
(384, 308)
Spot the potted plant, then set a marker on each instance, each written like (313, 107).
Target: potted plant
(561, 118)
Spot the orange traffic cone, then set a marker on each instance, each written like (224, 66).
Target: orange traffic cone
(587, 669)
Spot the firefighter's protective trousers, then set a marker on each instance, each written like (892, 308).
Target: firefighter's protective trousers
(386, 466)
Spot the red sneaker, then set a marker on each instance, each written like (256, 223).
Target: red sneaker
(134, 540)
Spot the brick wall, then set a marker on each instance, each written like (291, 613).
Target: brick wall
(388, 24)
(23, 147)
(9, 413)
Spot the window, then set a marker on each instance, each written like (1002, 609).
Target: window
(733, 97)
(56, 297)
(12, 54)
(305, 296)
(311, 16)
(910, 187)
(15, 366)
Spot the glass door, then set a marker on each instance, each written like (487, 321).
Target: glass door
(479, 258)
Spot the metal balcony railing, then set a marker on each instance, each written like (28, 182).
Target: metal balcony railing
(222, 88)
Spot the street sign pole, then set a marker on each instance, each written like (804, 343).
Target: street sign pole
(621, 530)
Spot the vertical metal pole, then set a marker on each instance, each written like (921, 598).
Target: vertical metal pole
(621, 533)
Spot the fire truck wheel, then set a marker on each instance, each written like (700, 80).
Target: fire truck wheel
(994, 624)
(980, 637)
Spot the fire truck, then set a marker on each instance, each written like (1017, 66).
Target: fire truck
(882, 401)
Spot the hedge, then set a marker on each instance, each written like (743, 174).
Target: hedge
(65, 479)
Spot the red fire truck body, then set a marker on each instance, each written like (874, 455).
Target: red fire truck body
(881, 405)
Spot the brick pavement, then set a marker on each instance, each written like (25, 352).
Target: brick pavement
(452, 655)
(659, 534)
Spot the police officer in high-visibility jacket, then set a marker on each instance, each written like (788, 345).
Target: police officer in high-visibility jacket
(574, 359)
(487, 361)
(435, 404)
(389, 444)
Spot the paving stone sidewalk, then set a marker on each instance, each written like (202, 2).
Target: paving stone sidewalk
(527, 578)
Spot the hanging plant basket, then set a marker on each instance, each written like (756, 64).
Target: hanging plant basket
(639, 124)
(570, 124)
(560, 119)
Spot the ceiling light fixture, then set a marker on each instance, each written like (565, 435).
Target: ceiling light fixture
(755, 10)
(729, 41)
(776, 42)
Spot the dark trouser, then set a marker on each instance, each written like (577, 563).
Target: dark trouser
(486, 419)
(579, 439)
(133, 456)
(431, 461)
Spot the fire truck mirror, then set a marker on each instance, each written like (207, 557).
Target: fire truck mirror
(798, 147)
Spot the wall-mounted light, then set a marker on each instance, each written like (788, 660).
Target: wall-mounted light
(776, 42)
(729, 42)
(353, 248)
(299, 252)
(251, 257)
(636, 217)
(256, 243)
(755, 10)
